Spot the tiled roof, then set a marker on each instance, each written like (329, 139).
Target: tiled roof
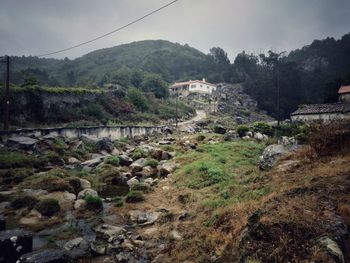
(344, 89)
(322, 108)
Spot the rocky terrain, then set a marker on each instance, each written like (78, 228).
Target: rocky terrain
(207, 194)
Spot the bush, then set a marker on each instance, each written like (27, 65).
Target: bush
(22, 201)
(113, 160)
(200, 138)
(263, 128)
(152, 162)
(75, 184)
(137, 154)
(138, 99)
(219, 129)
(93, 202)
(48, 207)
(242, 130)
(134, 197)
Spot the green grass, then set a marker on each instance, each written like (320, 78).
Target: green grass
(93, 202)
(227, 172)
(113, 160)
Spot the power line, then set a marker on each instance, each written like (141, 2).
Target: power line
(111, 32)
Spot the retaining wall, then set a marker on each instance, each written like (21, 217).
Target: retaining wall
(98, 131)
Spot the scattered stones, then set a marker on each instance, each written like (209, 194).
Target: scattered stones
(73, 160)
(144, 218)
(106, 231)
(271, 155)
(85, 192)
(14, 243)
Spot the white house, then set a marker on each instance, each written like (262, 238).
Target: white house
(192, 86)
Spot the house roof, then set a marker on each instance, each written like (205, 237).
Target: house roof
(344, 89)
(185, 83)
(322, 108)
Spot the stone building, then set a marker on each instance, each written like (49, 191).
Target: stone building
(193, 86)
(322, 112)
(344, 94)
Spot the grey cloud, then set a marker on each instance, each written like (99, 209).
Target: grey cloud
(30, 27)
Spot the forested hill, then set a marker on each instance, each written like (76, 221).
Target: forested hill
(311, 74)
(171, 60)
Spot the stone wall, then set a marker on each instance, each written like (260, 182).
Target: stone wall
(98, 131)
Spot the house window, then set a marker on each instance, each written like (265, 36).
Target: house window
(201, 85)
(193, 86)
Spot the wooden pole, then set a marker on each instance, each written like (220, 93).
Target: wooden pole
(7, 95)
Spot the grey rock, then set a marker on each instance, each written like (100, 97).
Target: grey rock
(333, 248)
(166, 168)
(22, 142)
(77, 247)
(105, 144)
(270, 156)
(106, 231)
(46, 256)
(287, 141)
(133, 181)
(14, 243)
(93, 162)
(144, 218)
(125, 160)
(85, 184)
(82, 194)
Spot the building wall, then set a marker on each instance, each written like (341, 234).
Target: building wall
(324, 117)
(202, 87)
(344, 97)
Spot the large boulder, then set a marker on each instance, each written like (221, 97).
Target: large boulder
(85, 184)
(77, 247)
(105, 144)
(124, 160)
(270, 156)
(22, 142)
(14, 243)
(65, 199)
(138, 165)
(133, 181)
(166, 168)
(46, 256)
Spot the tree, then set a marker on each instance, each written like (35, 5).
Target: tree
(154, 83)
(138, 99)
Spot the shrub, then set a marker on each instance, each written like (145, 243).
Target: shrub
(75, 184)
(93, 202)
(134, 197)
(200, 138)
(113, 160)
(94, 110)
(138, 99)
(21, 201)
(242, 130)
(48, 207)
(219, 129)
(263, 128)
(152, 162)
(137, 154)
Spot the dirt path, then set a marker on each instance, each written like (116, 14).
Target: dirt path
(201, 114)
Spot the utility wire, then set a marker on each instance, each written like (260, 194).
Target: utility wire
(109, 33)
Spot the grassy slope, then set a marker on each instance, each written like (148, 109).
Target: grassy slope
(221, 188)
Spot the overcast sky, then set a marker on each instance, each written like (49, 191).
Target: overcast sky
(32, 27)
